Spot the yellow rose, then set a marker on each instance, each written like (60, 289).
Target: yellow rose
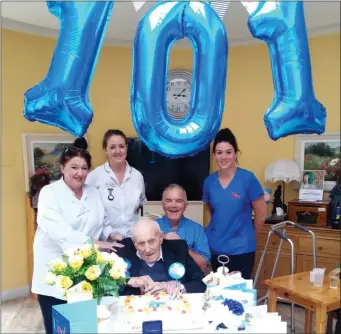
(58, 265)
(86, 287)
(64, 282)
(116, 272)
(93, 273)
(50, 279)
(76, 261)
(86, 251)
(102, 257)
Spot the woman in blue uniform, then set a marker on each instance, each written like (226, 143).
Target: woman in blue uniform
(230, 195)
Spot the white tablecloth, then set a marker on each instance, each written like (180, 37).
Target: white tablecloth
(268, 323)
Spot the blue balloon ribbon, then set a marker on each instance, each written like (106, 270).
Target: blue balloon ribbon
(61, 99)
(295, 109)
(165, 23)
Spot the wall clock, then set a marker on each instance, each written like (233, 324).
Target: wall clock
(178, 95)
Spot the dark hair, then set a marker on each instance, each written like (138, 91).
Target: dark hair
(226, 136)
(111, 133)
(78, 149)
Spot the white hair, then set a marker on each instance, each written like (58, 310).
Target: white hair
(174, 186)
(145, 223)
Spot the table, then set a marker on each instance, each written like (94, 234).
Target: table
(270, 323)
(298, 289)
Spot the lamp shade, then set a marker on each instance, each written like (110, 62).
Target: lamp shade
(283, 170)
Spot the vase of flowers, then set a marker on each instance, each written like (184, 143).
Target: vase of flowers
(86, 269)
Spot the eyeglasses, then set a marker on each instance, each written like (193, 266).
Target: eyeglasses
(75, 149)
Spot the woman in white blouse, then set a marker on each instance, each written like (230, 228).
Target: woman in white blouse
(70, 214)
(120, 185)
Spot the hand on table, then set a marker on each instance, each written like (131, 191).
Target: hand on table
(156, 287)
(141, 282)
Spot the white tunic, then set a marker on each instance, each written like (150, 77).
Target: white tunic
(64, 222)
(122, 201)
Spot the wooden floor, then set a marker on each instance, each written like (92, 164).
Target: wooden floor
(22, 315)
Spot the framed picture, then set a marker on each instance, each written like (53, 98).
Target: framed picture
(320, 152)
(43, 151)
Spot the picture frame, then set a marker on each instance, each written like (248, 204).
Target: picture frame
(42, 150)
(320, 152)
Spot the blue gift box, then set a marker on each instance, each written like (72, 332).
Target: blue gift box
(72, 318)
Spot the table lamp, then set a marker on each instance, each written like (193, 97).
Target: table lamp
(284, 170)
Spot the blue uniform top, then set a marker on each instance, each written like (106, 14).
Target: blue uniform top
(192, 232)
(231, 230)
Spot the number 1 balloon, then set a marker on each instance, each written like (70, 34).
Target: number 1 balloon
(295, 108)
(61, 99)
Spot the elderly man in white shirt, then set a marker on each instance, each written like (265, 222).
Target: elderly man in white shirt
(121, 186)
(70, 214)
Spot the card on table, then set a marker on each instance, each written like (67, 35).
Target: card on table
(79, 317)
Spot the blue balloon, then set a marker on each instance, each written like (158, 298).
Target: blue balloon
(128, 263)
(176, 270)
(165, 23)
(61, 99)
(295, 109)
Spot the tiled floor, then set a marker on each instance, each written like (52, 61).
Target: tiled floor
(22, 315)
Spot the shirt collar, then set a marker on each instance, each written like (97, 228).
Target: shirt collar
(166, 220)
(66, 187)
(127, 172)
(150, 265)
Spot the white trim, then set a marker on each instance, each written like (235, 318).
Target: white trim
(23, 291)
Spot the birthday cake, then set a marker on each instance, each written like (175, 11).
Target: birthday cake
(175, 312)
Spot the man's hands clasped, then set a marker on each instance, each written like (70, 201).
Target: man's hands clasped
(147, 285)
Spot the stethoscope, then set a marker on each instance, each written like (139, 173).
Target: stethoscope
(110, 196)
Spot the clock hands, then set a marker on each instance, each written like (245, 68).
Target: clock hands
(178, 95)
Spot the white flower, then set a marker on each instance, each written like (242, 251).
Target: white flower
(113, 257)
(72, 251)
(64, 282)
(86, 251)
(76, 261)
(103, 257)
(50, 278)
(58, 264)
(117, 272)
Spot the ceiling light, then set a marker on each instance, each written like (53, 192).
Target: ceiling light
(138, 5)
(220, 7)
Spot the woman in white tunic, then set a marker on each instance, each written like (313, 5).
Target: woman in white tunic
(120, 185)
(70, 214)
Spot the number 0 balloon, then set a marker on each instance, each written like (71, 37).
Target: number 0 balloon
(61, 99)
(165, 23)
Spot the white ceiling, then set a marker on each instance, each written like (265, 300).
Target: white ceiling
(322, 17)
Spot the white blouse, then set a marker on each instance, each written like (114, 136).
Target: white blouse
(121, 200)
(64, 222)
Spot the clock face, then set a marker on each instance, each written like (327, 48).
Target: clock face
(178, 97)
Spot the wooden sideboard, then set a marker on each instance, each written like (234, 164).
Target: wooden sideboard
(327, 252)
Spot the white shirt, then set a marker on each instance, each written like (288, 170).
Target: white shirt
(121, 201)
(64, 222)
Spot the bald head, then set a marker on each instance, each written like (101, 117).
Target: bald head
(147, 238)
(143, 226)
